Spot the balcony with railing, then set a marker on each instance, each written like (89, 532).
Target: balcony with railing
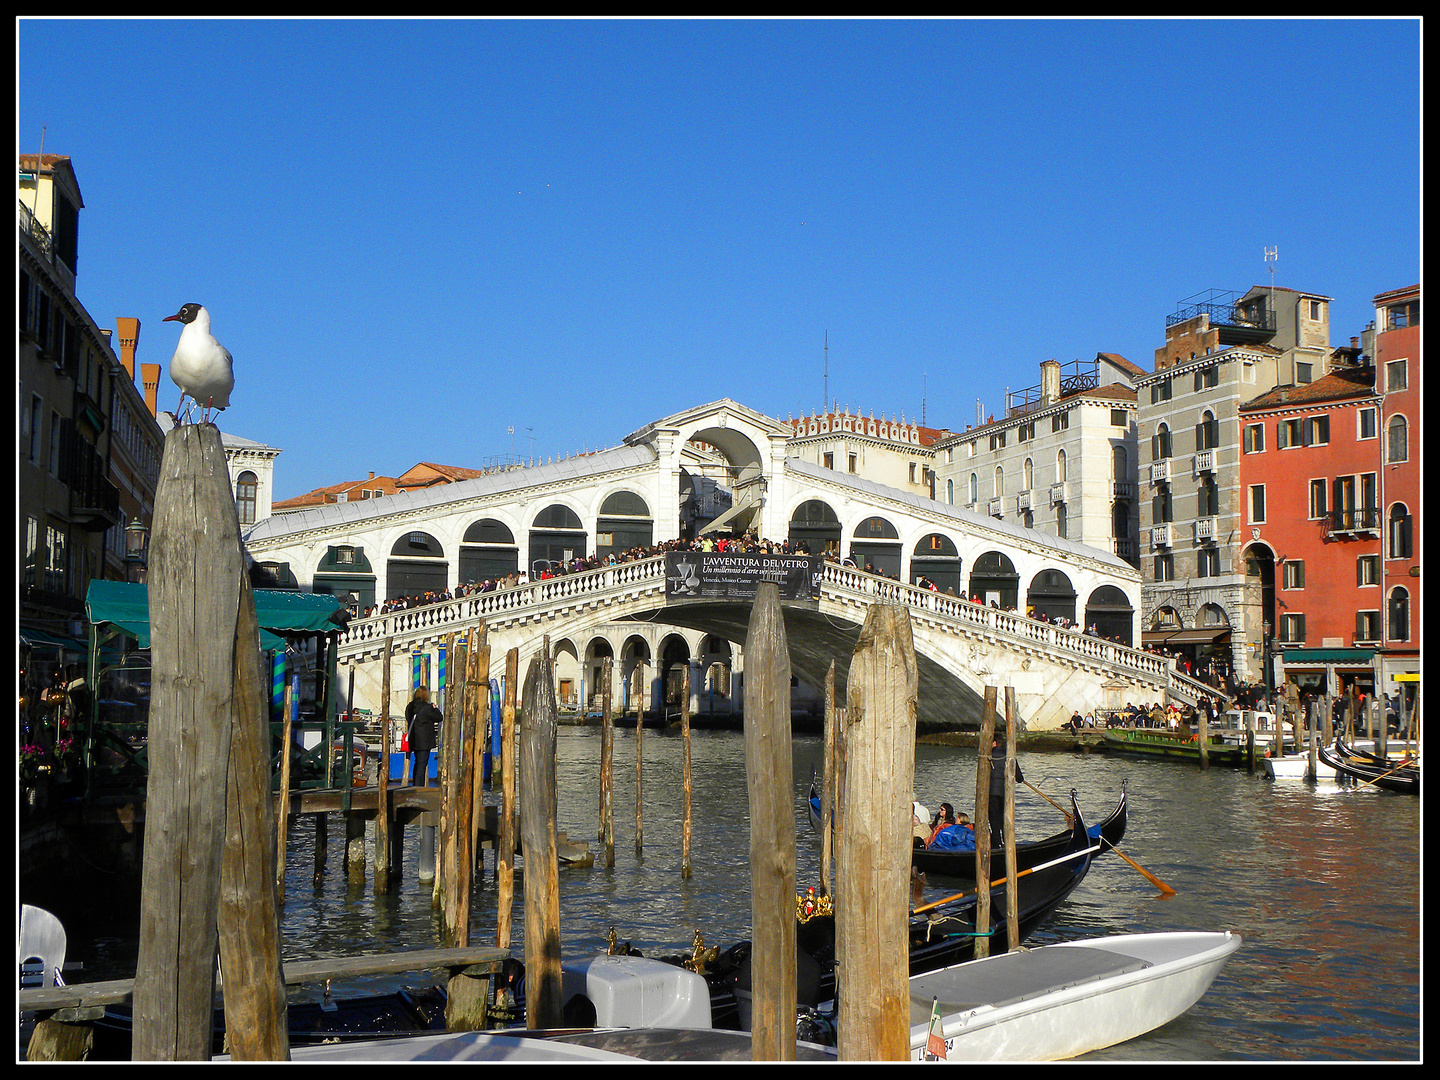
(1160, 472)
(1238, 321)
(1356, 520)
(1160, 536)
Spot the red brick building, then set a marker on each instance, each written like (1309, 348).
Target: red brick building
(1397, 366)
(1309, 481)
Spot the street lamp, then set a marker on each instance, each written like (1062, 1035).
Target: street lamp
(137, 540)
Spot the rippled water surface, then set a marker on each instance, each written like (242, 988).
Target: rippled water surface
(1322, 882)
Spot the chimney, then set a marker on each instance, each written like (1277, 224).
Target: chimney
(372, 474)
(128, 330)
(1049, 381)
(150, 378)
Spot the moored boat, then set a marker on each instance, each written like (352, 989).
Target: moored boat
(1174, 745)
(1367, 768)
(1060, 1001)
(961, 864)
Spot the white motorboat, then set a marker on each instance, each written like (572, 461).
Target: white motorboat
(626, 1008)
(1297, 766)
(1060, 1001)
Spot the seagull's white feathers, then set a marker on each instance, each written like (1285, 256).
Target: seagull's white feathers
(201, 367)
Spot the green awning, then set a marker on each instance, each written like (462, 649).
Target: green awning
(1328, 656)
(280, 612)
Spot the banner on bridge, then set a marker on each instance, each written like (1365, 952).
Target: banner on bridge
(728, 576)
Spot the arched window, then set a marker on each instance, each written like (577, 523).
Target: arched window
(1207, 432)
(1397, 443)
(974, 488)
(1060, 467)
(1161, 446)
(950, 492)
(247, 487)
(1399, 615)
(1398, 544)
(1029, 475)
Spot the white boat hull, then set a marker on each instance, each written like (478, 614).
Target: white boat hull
(1048, 1004)
(1297, 766)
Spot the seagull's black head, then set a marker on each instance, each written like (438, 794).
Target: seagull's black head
(185, 315)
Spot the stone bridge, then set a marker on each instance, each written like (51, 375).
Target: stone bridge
(622, 612)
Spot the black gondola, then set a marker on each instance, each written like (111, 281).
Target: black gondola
(938, 938)
(961, 864)
(1402, 776)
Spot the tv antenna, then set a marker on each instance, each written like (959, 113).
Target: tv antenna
(825, 395)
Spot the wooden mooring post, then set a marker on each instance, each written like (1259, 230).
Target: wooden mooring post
(1012, 902)
(982, 824)
(639, 756)
(768, 772)
(607, 762)
(538, 718)
(872, 946)
(505, 853)
(382, 778)
(208, 881)
(685, 775)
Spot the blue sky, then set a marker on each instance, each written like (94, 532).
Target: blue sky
(415, 236)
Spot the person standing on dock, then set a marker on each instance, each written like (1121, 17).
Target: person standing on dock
(422, 724)
(997, 791)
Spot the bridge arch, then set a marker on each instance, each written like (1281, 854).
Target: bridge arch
(556, 535)
(875, 544)
(936, 558)
(623, 521)
(994, 581)
(1110, 612)
(488, 550)
(1051, 596)
(814, 523)
(417, 564)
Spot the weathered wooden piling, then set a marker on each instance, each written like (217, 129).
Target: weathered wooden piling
(872, 945)
(1012, 901)
(607, 762)
(639, 756)
(538, 839)
(505, 847)
(827, 791)
(768, 773)
(982, 824)
(206, 862)
(1204, 718)
(685, 824)
(282, 829)
(382, 778)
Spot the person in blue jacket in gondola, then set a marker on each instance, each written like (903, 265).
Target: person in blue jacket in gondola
(950, 833)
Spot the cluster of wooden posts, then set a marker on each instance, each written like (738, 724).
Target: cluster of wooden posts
(867, 793)
(208, 884)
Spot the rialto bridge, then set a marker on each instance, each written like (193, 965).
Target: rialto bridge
(718, 469)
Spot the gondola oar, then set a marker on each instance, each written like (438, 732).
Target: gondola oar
(1166, 889)
(1047, 798)
(1001, 881)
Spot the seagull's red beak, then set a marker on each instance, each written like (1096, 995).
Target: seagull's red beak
(171, 318)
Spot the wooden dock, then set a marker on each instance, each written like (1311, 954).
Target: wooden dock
(87, 1001)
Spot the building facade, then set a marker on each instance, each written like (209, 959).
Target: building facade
(1221, 350)
(87, 454)
(1398, 370)
(1062, 460)
(1309, 475)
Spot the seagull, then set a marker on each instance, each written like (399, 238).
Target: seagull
(201, 367)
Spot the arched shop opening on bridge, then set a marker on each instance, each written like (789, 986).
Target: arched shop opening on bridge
(1109, 612)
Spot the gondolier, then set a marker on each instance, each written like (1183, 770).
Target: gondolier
(997, 791)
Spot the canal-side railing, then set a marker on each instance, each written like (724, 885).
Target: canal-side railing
(644, 580)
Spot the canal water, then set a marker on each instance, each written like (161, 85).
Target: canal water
(1321, 881)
